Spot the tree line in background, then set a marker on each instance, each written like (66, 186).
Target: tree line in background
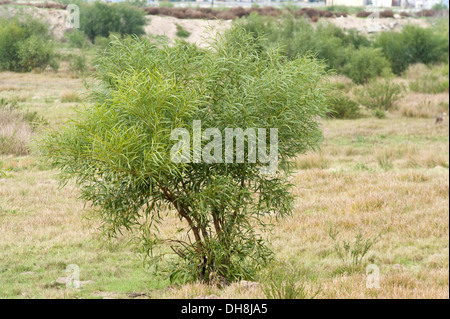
(369, 61)
(26, 43)
(351, 53)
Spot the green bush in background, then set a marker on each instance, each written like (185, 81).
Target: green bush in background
(342, 107)
(412, 45)
(76, 38)
(25, 45)
(78, 64)
(380, 94)
(440, 6)
(364, 64)
(100, 19)
(349, 52)
(298, 37)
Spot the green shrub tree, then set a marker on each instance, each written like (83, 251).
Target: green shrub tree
(413, 45)
(101, 19)
(328, 42)
(380, 94)
(364, 64)
(25, 45)
(76, 38)
(119, 149)
(342, 107)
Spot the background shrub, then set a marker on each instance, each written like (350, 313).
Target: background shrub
(35, 52)
(363, 14)
(380, 94)
(351, 253)
(298, 37)
(76, 38)
(379, 113)
(16, 128)
(100, 19)
(364, 64)
(412, 45)
(25, 45)
(386, 14)
(284, 280)
(78, 64)
(440, 6)
(430, 80)
(342, 107)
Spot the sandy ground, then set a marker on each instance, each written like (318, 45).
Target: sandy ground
(200, 30)
(376, 25)
(55, 18)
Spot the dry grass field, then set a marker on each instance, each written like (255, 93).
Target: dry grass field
(375, 177)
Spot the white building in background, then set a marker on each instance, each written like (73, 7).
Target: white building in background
(348, 3)
(363, 3)
(423, 4)
(384, 3)
(418, 4)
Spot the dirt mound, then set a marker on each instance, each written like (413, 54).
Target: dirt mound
(200, 29)
(237, 12)
(387, 14)
(363, 14)
(432, 13)
(56, 18)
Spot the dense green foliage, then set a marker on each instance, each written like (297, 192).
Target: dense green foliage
(413, 45)
(76, 38)
(364, 64)
(349, 52)
(78, 64)
(24, 45)
(119, 148)
(380, 94)
(299, 37)
(440, 6)
(101, 19)
(342, 107)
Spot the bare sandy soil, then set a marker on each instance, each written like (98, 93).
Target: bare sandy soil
(365, 25)
(55, 18)
(200, 29)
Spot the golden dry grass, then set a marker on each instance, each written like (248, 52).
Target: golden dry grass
(425, 79)
(15, 133)
(423, 105)
(379, 177)
(43, 93)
